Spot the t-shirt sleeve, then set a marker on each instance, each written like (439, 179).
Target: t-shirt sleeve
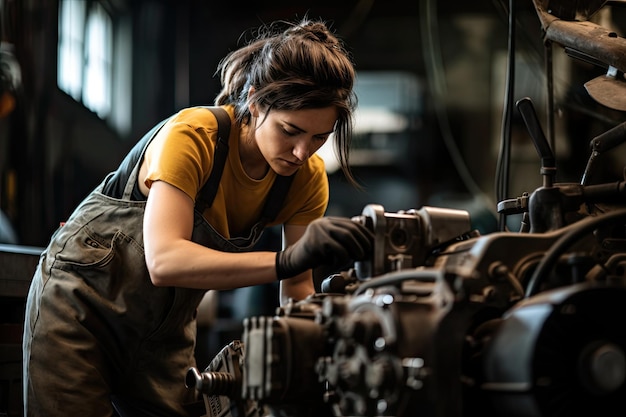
(180, 155)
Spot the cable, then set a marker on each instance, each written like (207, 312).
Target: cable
(582, 228)
(435, 75)
(504, 155)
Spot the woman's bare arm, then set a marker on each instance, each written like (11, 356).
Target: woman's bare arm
(174, 260)
(301, 286)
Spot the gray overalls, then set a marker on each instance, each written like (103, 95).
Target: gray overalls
(96, 326)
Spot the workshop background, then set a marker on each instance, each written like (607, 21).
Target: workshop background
(81, 81)
(93, 76)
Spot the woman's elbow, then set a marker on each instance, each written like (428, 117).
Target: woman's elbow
(157, 271)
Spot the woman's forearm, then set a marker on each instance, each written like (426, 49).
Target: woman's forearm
(190, 265)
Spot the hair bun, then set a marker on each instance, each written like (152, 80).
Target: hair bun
(315, 31)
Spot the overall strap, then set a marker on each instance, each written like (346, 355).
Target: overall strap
(134, 159)
(277, 194)
(276, 197)
(209, 190)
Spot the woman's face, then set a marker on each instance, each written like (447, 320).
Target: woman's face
(287, 138)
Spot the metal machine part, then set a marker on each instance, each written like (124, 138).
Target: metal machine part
(457, 337)
(405, 239)
(560, 353)
(566, 23)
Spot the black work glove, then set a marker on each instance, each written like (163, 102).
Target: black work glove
(331, 241)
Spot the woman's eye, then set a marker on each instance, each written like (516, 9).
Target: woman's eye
(289, 133)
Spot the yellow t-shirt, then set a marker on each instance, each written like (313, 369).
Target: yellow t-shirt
(182, 155)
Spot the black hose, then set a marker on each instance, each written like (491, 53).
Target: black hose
(582, 228)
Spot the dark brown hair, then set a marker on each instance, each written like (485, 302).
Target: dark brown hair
(293, 66)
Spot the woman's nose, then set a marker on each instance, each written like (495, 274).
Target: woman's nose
(301, 150)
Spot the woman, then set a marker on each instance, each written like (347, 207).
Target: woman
(111, 309)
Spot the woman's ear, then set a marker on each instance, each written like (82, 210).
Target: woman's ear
(252, 106)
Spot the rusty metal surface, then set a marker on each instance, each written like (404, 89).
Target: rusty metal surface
(591, 39)
(608, 91)
(564, 23)
(572, 9)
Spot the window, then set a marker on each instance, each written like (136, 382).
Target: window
(86, 52)
(97, 86)
(70, 55)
